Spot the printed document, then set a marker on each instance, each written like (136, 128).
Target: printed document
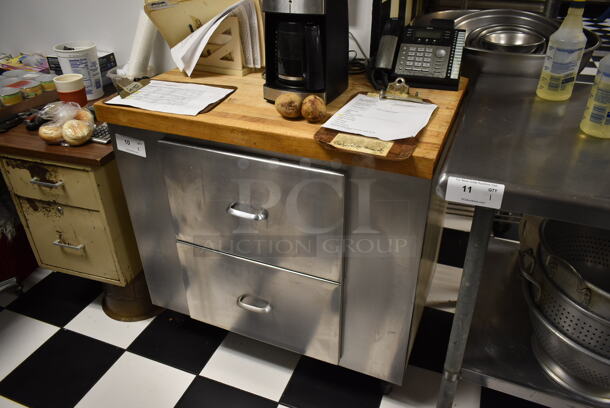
(173, 97)
(384, 119)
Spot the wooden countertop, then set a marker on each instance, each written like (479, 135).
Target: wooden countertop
(21, 142)
(246, 119)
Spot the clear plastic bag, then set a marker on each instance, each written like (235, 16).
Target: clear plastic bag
(59, 113)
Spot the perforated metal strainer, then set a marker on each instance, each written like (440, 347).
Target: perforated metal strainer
(568, 363)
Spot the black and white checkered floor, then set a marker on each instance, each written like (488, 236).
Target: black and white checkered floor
(603, 30)
(59, 349)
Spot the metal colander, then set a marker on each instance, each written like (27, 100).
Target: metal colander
(564, 360)
(586, 249)
(577, 323)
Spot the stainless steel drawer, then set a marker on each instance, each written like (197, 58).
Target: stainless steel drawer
(278, 213)
(284, 308)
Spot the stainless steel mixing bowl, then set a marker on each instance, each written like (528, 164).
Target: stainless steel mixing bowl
(511, 40)
(479, 59)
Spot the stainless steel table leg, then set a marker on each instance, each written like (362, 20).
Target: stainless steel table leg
(467, 297)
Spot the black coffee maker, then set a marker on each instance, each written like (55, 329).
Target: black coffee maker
(306, 42)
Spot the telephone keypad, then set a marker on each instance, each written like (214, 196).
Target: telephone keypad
(423, 61)
(430, 54)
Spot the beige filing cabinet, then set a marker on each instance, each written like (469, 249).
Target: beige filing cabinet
(72, 205)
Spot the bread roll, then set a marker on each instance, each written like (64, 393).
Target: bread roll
(77, 132)
(84, 114)
(52, 134)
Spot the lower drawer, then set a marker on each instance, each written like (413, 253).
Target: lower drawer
(280, 307)
(69, 238)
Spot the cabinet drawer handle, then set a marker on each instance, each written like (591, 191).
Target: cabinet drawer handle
(64, 245)
(262, 307)
(36, 180)
(246, 212)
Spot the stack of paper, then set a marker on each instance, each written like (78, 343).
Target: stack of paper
(187, 52)
(173, 97)
(384, 119)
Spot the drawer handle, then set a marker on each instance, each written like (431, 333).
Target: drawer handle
(64, 245)
(241, 211)
(36, 180)
(261, 306)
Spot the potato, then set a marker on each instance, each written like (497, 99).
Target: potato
(289, 105)
(313, 109)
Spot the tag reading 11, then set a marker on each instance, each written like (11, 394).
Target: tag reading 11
(474, 192)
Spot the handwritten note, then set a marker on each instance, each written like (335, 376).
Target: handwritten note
(384, 119)
(361, 144)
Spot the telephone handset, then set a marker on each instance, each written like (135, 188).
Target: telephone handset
(426, 57)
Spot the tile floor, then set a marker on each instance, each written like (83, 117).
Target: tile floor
(603, 30)
(59, 349)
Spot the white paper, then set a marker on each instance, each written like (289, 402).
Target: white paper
(187, 52)
(474, 192)
(130, 145)
(173, 97)
(385, 119)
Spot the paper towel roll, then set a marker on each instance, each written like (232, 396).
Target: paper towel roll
(142, 47)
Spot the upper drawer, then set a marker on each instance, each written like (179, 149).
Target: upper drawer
(267, 303)
(270, 211)
(51, 183)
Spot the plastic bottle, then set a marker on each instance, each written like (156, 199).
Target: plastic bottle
(596, 120)
(563, 56)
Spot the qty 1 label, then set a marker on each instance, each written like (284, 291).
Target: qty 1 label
(474, 192)
(131, 145)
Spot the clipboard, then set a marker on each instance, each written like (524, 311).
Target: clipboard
(207, 109)
(397, 150)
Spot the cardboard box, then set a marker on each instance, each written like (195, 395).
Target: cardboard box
(106, 59)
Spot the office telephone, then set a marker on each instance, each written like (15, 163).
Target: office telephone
(426, 57)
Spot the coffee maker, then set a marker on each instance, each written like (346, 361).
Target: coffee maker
(306, 44)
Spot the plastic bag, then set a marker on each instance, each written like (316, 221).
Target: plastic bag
(59, 113)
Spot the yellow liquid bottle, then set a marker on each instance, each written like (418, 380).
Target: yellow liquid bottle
(596, 120)
(563, 56)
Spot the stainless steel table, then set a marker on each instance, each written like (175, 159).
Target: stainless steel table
(508, 136)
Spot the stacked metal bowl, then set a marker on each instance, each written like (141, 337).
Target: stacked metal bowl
(567, 287)
(505, 41)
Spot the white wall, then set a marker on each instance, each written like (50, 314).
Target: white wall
(35, 26)
(360, 17)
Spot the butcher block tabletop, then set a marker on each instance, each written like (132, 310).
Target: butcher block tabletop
(246, 119)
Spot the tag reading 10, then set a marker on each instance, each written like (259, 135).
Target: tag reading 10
(130, 145)
(474, 192)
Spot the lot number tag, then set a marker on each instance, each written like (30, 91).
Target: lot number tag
(474, 192)
(130, 145)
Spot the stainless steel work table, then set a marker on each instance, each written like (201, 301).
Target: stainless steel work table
(550, 169)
